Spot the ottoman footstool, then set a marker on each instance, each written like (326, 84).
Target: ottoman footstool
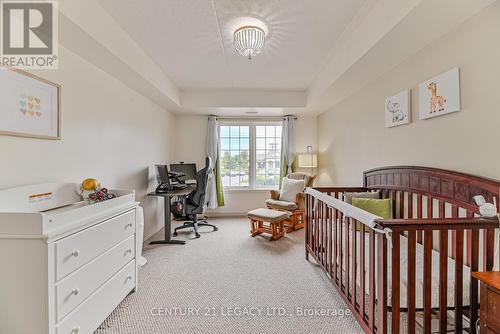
(268, 221)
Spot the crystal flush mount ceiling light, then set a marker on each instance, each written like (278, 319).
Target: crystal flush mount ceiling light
(249, 41)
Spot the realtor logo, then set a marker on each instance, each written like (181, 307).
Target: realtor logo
(29, 34)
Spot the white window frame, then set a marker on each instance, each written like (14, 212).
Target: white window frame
(252, 151)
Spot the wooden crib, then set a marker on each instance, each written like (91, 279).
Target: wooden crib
(430, 247)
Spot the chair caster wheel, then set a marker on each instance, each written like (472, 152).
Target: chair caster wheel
(175, 234)
(216, 228)
(197, 235)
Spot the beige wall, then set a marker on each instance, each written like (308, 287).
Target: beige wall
(109, 132)
(192, 130)
(352, 136)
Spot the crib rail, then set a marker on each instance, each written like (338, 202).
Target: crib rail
(356, 258)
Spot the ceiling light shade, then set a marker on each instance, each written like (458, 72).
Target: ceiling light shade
(249, 41)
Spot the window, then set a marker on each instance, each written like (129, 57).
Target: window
(235, 155)
(250, 154)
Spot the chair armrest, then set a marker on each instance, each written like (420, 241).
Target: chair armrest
(275, 194)
(300, 200)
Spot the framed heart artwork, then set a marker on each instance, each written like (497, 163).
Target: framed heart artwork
(29, 105)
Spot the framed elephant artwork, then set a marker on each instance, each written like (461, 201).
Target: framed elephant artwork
(398, 109)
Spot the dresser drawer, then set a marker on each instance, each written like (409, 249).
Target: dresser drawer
(78, 249)
(493, 309)
(75, 288)
(92, 312)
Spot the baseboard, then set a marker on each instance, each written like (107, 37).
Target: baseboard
(207, 214)
(150, 234)
(225, 214)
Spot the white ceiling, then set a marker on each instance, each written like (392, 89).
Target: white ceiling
(191, 40)
(179, 53)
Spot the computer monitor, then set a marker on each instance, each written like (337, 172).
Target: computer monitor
(188, 169)
(162, 174)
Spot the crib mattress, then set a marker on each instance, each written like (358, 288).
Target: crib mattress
(434, 280)
(419, 275)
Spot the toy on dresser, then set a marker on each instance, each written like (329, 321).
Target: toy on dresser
(91, 190)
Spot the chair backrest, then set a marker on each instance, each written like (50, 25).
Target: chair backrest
(308, 178)
(198, 196)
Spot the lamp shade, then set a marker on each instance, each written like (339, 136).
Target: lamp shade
(308, 160)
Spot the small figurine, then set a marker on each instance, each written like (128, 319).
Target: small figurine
(90, 189)
(488, 210)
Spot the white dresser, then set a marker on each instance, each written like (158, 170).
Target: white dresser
(65, 264)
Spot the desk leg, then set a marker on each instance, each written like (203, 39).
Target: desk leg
(168, 227)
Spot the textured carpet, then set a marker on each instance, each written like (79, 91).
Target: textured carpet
(229, 282)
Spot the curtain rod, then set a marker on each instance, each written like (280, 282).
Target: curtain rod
(257, 118)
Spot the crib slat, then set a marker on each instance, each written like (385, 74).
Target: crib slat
(454, 214)
(427, 280)
(443, 280)
(474, 297)
(335, 243)
(395, 281)
(441, 209)
(330, 241)
(354, 223)
(347, 257)
(310, 221)
(488, 257)
(314, 225)
(468, 249)
(323, 234)
(419, 216)
(443, 273)
(320, 232)
(341, 251)
(308, 207)
(430, 202)
(459, 262)
(382, 284)
(412, 248)
(410, 205)
(394, 205)
(371, 277)
(401, 213)
(317, 215)
(362, 271)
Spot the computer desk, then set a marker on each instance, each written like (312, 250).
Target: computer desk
(167, 197)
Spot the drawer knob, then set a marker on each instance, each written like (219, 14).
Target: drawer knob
(129, 225)
(76, 253)
(75, 291)
(128, 251)
(128, 278)
(75, 330)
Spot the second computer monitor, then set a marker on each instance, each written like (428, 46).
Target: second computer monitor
(188, 169)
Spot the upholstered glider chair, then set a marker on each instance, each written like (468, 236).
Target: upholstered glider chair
(294, 204)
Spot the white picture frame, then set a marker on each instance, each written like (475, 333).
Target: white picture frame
(440, 95)
(398, 109)
(29, 105)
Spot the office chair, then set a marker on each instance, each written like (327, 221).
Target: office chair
(194, 202)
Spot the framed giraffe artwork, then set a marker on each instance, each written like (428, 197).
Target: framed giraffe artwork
(440, 95)
(29, 105)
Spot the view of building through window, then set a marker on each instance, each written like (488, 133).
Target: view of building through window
(250, 154)
(268, 155)
(235, 155)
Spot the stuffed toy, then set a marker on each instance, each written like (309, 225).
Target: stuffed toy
(91, 190)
